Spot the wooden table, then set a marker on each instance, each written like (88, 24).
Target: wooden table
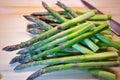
(13, 31)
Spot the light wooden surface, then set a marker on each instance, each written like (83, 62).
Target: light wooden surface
(13, 30)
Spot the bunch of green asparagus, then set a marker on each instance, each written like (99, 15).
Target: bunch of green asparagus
(66, 40)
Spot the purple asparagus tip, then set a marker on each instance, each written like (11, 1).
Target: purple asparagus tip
(44, 4)
(30, 18)
(12, 47)
(36, 74)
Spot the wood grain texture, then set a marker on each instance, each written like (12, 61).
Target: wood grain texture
(13, 31)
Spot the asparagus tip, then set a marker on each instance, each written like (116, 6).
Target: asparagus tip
(30, 18)
(44, 4)
(35, 75)
(12, 47)
(15, 59)
(58, 2)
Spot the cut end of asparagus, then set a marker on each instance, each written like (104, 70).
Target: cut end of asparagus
(30, 18)
(12, 47)
(44, 5)
(14, 60)
(35, 75)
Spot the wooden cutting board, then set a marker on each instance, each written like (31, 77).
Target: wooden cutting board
(13, 31)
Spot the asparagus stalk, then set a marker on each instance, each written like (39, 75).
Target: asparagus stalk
(108, 41)
(102, 74)
(84, 11)
(85, 65)
(82, 49)
(67, 9)
(53, 12)
(39, 23)
(67, 44)
(91, 45)
(51, 32)
(98, 22)
(72, 59)
(87, 41)
(100, 17)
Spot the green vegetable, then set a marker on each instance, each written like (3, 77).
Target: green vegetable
(100, 17)
(82, 49)
(85, 65)
(53, 12)
(51, 32)
(72, 59)
(108, 41)
(38, 23)
(67, 44)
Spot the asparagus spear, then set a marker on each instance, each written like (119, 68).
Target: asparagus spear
(67, 44)
(85, 65)
(72, 59)
(108, 41)
(100, 17)
(51, 32)
(53, 12)
(39, 23)
(87, 41)
(102, 74)
(98, 22)
(67, 9)
(82, 49)
(91, 45)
